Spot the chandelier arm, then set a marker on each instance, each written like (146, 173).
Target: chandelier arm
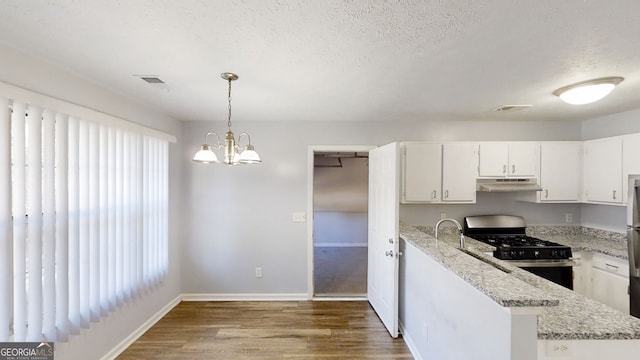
(206, 138)
(240, 136)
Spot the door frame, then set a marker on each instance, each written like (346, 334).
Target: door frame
(311, 150)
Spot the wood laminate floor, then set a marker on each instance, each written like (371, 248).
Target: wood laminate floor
(268, 330)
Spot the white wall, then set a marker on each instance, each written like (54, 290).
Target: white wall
(239, 218)
(617, 124)
(340, 203)
(488, 203)
(21, 70)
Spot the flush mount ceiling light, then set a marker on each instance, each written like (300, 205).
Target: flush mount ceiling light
(234, 153)
(589, 91)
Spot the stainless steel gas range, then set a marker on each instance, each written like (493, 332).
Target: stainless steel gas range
(507, 233)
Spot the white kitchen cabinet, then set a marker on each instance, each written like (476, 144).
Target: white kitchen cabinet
(610, 281)
(508, 159)
(560, 171)
(603, 170)
(459, 164)
(422, 172)
(437, 173)
(630, 160)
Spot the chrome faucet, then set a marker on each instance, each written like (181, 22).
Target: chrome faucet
(459, 229)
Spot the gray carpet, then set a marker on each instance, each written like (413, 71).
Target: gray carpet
(340, 271)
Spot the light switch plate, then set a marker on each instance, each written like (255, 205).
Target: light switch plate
(299, 217)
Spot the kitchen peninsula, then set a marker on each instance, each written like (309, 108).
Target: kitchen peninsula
(456, 304)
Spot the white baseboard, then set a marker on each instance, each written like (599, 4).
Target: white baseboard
(406, 337)
(245, 297)
(340, 244)
(124, 344)
(340, 298)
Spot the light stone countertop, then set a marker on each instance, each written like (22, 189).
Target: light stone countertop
(575, 317)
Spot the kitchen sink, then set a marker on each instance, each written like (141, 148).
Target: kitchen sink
(486, 259)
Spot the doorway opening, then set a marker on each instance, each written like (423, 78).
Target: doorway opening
(339, 225)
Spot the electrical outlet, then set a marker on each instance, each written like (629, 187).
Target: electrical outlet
(568, 218)
(298, 217)
(258, 272)
(557, 348)
(443, 216)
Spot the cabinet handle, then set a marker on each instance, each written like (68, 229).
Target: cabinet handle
(504, 169)
(446, 194)
(513, 169)
(614, 194)
(433, 194)
(611, 267)
(546, 193)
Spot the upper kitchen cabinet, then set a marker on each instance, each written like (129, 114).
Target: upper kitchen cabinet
(437, 173)
(508, 159)
(459, 164)
(630, 160)
(421, 172)
(560, 171)
(603, 171)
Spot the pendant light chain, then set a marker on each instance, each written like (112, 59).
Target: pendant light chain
(229, 97)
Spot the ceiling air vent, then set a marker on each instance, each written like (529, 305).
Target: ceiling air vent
(152, 79)
(512, 108)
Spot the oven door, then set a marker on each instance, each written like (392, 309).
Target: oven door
(558, 271)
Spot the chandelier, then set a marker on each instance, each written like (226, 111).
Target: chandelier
(234, 153)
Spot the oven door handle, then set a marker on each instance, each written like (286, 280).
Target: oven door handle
(543, 263)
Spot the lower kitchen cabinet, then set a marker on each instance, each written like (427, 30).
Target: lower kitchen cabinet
(610, 282)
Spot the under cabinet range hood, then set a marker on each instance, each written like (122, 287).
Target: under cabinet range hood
(508, 185)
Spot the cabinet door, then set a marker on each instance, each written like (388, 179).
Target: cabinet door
(561, 171)
(502, 159)
(422, 177)
(630, 161)
(494, 159)
(610, 281)
(459, 164)
(610, 289)
(523, 159)
(603, 170)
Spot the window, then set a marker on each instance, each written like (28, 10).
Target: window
(83, 218)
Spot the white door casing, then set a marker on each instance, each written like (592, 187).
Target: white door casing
(383, 258)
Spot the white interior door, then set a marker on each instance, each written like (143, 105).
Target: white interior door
(383, 258)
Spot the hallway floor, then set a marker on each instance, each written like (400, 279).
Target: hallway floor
(340, 271)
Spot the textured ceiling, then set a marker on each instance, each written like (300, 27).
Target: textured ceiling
(340, 60)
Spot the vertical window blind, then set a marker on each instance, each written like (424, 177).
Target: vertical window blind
(83, 220)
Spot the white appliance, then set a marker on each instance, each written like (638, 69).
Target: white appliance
(633, 242)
